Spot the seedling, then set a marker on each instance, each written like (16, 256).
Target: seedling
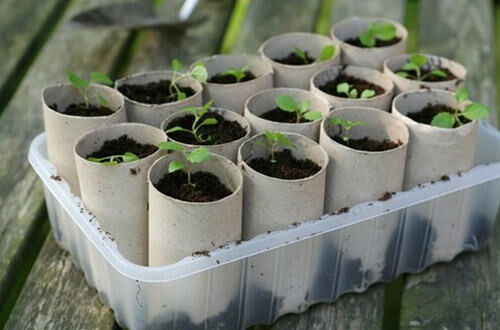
(415, 64)
(237, 73)
(377, 30)
(83, 86)
(116, 159)
(274, 140)
(345, 126)
(352, 93)
(472, 111)
(326, 53)
(195, 156)
(197, 124)
(302, 110)
(198, 72)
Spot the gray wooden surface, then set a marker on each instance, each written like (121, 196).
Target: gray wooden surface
(464, 294)
(21, 197)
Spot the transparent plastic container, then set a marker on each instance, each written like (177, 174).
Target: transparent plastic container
(284, 271)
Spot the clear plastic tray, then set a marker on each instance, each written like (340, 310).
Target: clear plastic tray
(284, 271)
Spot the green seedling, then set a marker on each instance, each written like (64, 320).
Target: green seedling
(116, 159)
(83, 86)
(198, 72)
(352, 93)
(326, 53)
(415, 64)
(274, 140)
(197, 123)
(195, 156)
(377, 30)
(301, 109)
(237, 73)
(472, 111)
(345, 126)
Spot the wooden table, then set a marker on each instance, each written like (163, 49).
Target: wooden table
(39, 286)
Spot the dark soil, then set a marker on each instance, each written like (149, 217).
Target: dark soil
(294, 59)
(230, 79)
(367, 144)
(330, 87)
(122, 145)
(286, 166)
(426, 115)
(79, 109)
(207, 187)
(432, 78)
(282, 116)
(223, 132)
(156, 92)
(378, 43)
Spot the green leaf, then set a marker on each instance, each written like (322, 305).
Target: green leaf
(181, 96)
(304, 107)
(177, 65)
(336, 121)
(418, 60)
(367, 39)
(204, 108)
(198, 155)
(76, 81)
(175, 165)
(286, 103)
(209, 121)
(300, 53)
(313, 115)
(110, 163)
(367, 93)
(102, 101)
(199, 72)
(410, 66)
(403, 74)
(94, 159)
(100, 78)
(475, 111)
(176, 129)
(357, 123)
(383, 30)
(326, 53)
(188, 109)
(353, 93)
(169, 145)
(129, 157)
(343, 88)
(443, 120)
(462, 94)
(438, 73)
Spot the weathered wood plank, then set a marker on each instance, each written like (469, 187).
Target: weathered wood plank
(157, 48)
(24, 24)
(56, 296)
(465, 293)
(463, 31)
(265, 19)
(21, 199)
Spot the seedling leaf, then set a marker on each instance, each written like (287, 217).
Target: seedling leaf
(367, 93)
(326, 53)
(169, 145)
(383, 30)
(313, 115)
(367, 39)
(100, 78)
(175, 165)
(198, 155)
(286, 103)
(402, 74)
(102, 101)
(209, 121)
(343, 88)
(443, 120)
(300, 53)
(130, 157)
(462, 95)
(475, 111)
(177, 65)
(199, 72)
(418, 60)
(439, 73)
(76, 81)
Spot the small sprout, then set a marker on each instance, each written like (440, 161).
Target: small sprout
(377, 30)
(274, 140)
(116, 159)
(345, 126)
(325, 54)
(196, 123)
(195, 156)
(198, 72)
(237, 73)
(83, 86)
(352, 93)
(472, 111)
(415, 64)
(302, 110)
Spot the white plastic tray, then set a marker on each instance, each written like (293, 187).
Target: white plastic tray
(285, 271)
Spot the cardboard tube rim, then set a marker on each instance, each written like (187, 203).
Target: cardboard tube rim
(166, 73)
(396, 120)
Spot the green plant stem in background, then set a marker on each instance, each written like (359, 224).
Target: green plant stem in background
(198, 72)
